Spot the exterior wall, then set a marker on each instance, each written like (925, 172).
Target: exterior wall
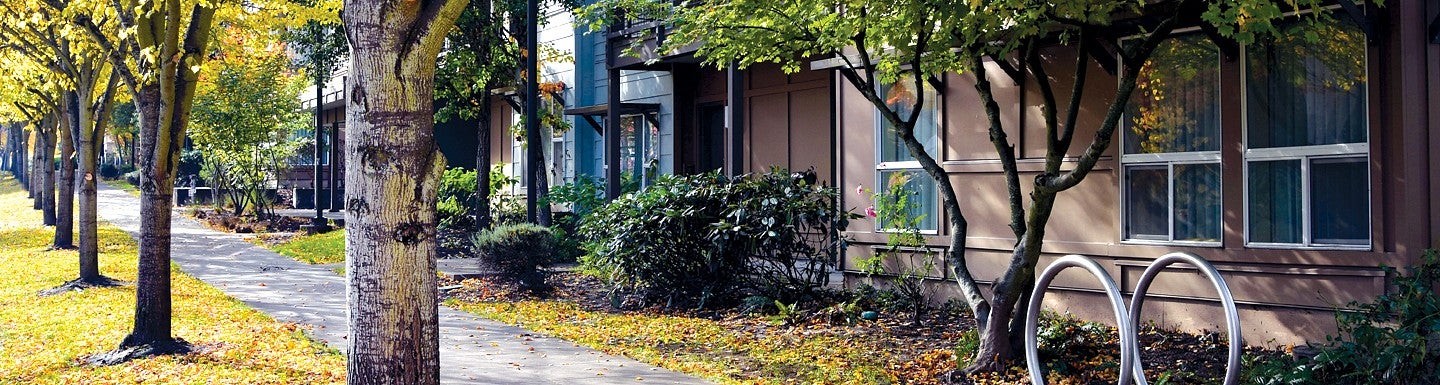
(788, 118)
(1286, 295)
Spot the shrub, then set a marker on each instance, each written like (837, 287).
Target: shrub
(457, 191)
(693, 238)
(895, 210)
(787, 227)
(582, 196)
(655, 240)
(1394, 340)
(133, 178)
(109, 171)
(517, 251)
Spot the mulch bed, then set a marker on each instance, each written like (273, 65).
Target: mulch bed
(925, 351)
(226, 221)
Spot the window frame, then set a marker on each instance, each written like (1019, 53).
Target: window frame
(1169, 160)
(913, 166)
(1305, 155)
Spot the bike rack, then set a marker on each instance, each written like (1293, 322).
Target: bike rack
(1128, 321)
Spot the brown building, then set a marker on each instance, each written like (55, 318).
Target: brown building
(1296, 167)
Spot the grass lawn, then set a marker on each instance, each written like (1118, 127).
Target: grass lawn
(44, 340)
(314, 249)
(124, 185)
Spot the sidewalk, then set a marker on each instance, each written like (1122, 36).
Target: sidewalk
(473, 350)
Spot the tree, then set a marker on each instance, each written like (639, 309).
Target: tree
(246, 108)
(321, 47)
(124, 129)
(156, 48)
(480, 59)
(484, 56)
(912, 42)
(85, 103)
(392, 170)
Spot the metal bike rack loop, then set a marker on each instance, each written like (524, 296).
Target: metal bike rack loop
(1127, 346)
(1129, 321)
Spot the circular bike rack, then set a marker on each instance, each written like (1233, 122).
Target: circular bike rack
(1129, 321)
(1032, 318)
(1227, 302)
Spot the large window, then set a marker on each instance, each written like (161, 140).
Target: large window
(1307, 151)
(1171, 140)
(639, 152)
(894, 158)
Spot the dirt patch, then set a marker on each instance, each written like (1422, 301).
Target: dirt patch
(454, 242)
(228, 222)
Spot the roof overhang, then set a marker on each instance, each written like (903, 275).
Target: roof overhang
(649, 110)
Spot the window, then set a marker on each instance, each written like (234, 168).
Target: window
(1171, 161)
(559, 161)
(639, 152)
(1307, 151)
(894, 158)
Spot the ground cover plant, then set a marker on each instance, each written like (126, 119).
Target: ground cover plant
(45, 340)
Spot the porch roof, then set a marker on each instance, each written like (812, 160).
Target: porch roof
(590, 112)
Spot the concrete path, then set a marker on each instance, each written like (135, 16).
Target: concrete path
(473, 350)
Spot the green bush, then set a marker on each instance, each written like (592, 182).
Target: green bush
(517, 251)
(1394, 340)
(133, 178)
(457, 191)
(582, 196)
(694, 238)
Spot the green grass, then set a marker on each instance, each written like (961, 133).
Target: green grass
(43, 339)
(124, 185)
(315, 249)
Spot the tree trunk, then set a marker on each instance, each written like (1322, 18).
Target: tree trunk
(37, 175)
(481, 204)
(482, 159)
(157, 180)
(65, 199)
(392, 172)
(47, 166)
(93, 120)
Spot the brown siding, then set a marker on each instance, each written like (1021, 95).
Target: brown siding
(787, 117)
(1285, 293)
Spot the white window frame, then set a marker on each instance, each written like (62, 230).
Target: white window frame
(642, 145)
(1305, 154)
(912, 166)
(1169, 160)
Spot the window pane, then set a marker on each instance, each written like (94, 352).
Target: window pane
(1175, 107)
(1339, 201)
(1307, 91)
(901, 97)
(923, 201)
(1197, 202)
(1147, 192)
(1275, 205)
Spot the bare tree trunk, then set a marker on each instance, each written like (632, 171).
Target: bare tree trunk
(94, 116)
(152, 285)
(47, 166)
(482, 160)
(37, 175)
(392, 172)
(65, 199)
